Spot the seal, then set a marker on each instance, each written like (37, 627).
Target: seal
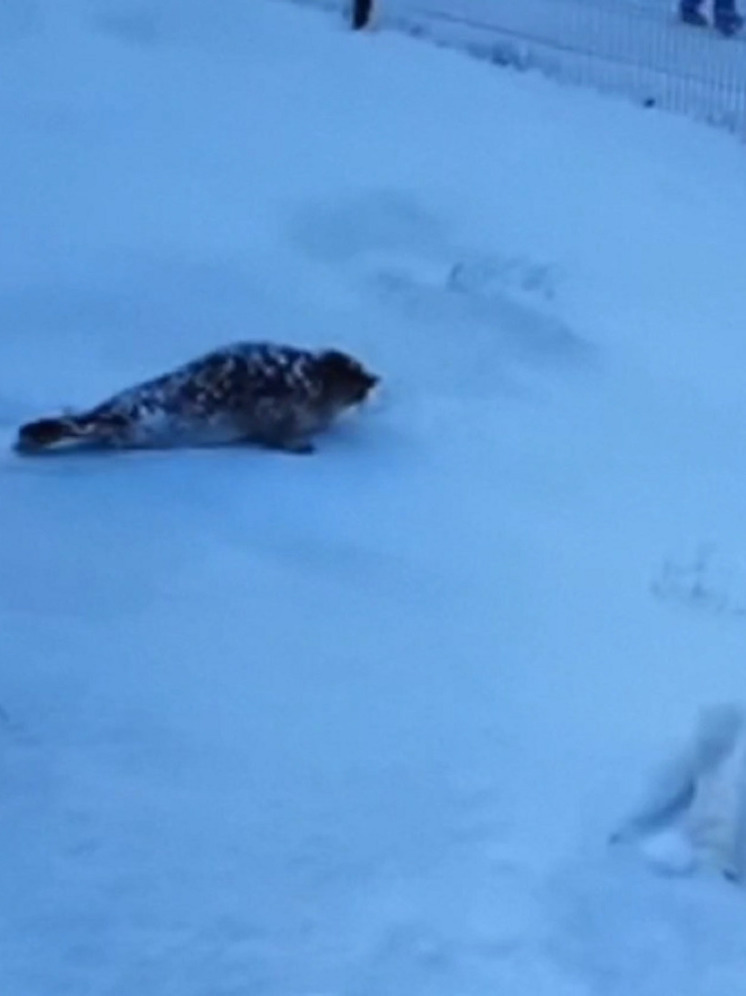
(270, 395)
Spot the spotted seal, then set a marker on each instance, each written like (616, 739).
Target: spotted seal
(256, 392)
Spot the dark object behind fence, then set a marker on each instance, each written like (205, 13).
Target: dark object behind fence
(361, 12)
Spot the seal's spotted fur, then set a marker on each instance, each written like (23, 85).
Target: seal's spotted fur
(276, 396)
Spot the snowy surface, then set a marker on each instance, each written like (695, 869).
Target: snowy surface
(361, 724)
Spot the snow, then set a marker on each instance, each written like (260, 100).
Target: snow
(361, 723)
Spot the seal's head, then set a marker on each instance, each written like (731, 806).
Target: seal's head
(345, 382)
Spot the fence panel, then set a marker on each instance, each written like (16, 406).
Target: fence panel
(632, 47)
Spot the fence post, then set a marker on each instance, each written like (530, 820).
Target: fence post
(361, 11)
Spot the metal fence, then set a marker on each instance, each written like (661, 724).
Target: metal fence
(632, 47)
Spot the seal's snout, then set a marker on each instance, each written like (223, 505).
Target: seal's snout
(366, 383)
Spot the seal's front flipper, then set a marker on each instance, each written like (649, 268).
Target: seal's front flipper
(299, 444)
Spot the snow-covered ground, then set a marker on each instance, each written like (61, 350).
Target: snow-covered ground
(361, 724)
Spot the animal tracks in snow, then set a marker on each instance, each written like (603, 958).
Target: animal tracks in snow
(490, 309)
(706, 582)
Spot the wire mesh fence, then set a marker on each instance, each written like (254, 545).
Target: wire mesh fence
(633, 47)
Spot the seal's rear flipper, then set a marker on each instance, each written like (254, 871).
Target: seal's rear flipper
(45, 433)
(97, 428)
